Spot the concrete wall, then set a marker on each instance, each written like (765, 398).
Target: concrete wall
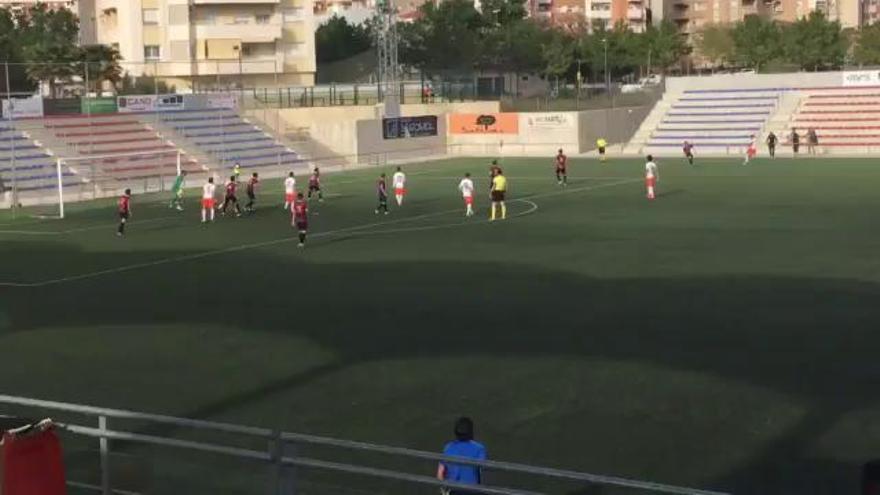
(371, 146)
(616, 125)
(336, 127)
(744, 81)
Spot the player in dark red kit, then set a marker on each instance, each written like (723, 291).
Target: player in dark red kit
(382, 192)
(688, 150)
(124, 209)
(315, 185)
(231, 198)
(300, 220)
(561, 168)
(252, 192)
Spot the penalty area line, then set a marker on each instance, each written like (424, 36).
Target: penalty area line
(255, 245)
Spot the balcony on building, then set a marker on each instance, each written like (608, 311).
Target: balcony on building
(224, 2)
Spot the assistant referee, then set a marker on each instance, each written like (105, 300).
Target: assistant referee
(499, 189)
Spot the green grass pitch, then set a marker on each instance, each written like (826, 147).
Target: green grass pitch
(723, 336)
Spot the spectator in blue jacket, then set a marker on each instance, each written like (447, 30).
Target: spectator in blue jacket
(465, 446)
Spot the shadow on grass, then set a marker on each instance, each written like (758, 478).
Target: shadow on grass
(811, 339)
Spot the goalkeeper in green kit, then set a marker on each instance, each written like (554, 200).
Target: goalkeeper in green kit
(177, 192)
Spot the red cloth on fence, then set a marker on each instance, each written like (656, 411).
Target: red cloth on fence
(32, 464)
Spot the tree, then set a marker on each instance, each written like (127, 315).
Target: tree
(502, 12)
(49, 44)
(664, 45)
(715, 44)
(867, 46)
(446, 38)
(757, 41)
(100, 63)
(336, 39)
(815, 43)
(558, 55)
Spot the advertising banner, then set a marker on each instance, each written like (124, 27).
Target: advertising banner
(61, 106)
(221, 101)
(150, 103)
(409, 127)
(861, 78)
(487, 123)
(555, 120)
(98, 105)
(22, 108)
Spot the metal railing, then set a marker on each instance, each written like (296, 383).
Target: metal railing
(279, 455)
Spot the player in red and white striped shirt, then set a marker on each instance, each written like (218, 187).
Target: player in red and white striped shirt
(124, 209)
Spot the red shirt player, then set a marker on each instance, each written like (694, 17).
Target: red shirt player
(315, 184)
(688, 150)
(230, 198)
(561, 168)
(124, 210)
(252, 185)
(300, 218)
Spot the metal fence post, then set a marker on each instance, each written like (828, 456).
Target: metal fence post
(285, 479)
(104, 443)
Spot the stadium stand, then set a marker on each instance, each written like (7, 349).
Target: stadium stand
(716, 120)
(34, 166)
(846, 119)
(224, 137)
(114, 134)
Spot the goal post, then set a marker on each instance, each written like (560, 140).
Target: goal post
(89, 177)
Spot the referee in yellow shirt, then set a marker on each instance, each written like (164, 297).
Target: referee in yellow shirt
(601, 144)
(499, 188)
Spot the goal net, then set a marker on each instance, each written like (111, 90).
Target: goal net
(84, 178)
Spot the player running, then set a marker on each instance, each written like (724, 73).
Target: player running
(499, 189)
(124, 209)
(601, 144)
(652, 175)
(751, 151)
(252, 186)
(382, 192)
(688, 150)
(208, 191)
(236, 171)
(289, 191)
(300, 217)
(315, 185)
(177, 191)
(561, 168)
(399, 182)
(466, 186)
(231, 198)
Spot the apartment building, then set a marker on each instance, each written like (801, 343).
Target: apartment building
(608, 13)
(212, 43)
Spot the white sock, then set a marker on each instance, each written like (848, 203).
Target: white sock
(204, 214)
(212, 214)
(650, 192)
(286, 205)
(399, 199)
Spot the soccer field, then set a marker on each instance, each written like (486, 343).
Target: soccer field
(723, 336)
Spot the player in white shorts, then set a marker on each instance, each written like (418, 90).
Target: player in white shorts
(208, 191)
(652, 175)
(399, 182)
(466, 186)
(751, 151)
(289, 191)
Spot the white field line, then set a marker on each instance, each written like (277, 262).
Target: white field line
(355, 228)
